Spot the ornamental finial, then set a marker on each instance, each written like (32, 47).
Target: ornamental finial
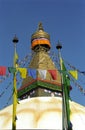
(40, 27)
(15, 39)
(59, 45)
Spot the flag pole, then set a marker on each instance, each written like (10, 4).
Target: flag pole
(59, 47)
(14, 117)
(66, 124)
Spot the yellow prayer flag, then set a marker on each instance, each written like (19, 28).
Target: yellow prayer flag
(74, 73)
(23, 72)
(15, 59)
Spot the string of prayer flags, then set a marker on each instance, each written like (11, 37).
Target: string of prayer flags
(32, 73)
(74, 74)
(42, 73)
(23, 72)
(2, 70)
(53, 74)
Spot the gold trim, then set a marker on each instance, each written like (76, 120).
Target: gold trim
(40, 34)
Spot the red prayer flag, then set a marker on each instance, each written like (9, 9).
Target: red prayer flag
(53, 74)
(2, 70)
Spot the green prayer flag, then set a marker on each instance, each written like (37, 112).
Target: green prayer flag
(11, 70)
(66, 89)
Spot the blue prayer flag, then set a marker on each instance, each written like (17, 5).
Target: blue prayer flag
(32, 73)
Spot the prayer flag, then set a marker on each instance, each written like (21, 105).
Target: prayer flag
(11, 69)
(32, 73)
(65, 89)
(2, 70)
(42, 73)
(53, 74)
(23, 72)
(16, 59)
(74, 73)
(83, 72)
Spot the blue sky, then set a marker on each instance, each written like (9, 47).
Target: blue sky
(64, 20)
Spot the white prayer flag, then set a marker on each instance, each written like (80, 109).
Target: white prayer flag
(42, 73)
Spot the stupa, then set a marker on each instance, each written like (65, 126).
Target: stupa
(40, 105)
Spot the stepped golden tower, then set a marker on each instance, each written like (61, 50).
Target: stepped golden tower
(48, 79)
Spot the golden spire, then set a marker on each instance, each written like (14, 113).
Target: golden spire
(40, 37)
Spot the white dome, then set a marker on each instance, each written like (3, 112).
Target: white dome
(42, 113)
